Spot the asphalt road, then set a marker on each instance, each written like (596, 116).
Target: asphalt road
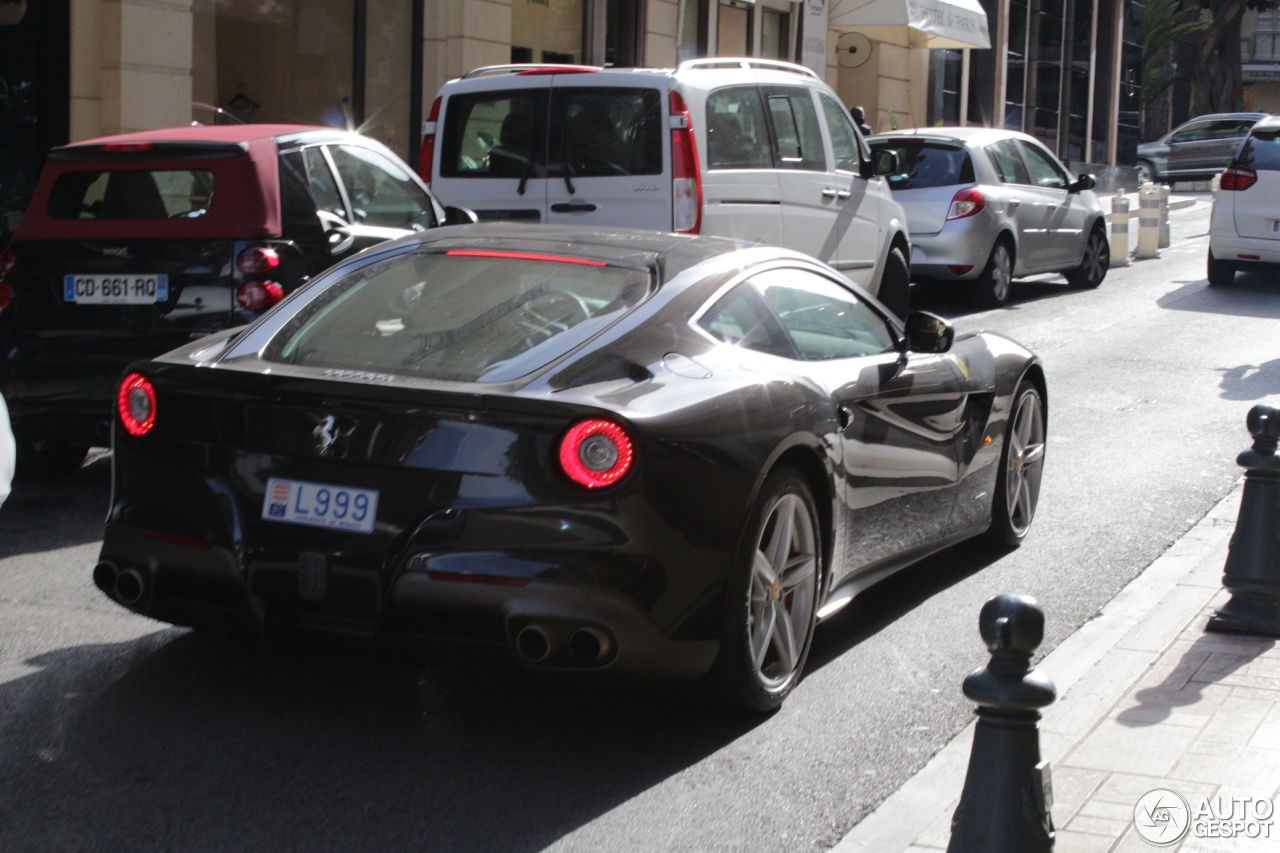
(119, 734)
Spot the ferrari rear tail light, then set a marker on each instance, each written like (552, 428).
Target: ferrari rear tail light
(686, 177)
(7, 260)
(428, 142)
(6, 295)
(137, 404)
(1236, 179)
(257, 260)
(259, 295)
(966, 202)
(596, 453)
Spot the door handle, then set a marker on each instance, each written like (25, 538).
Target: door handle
(574, 206)
(1011, 206)
(844, 416)
(843, 194)
(829, 192)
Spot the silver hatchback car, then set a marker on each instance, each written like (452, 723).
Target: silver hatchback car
(986, 206)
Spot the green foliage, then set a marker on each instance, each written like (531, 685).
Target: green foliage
(1165, 21)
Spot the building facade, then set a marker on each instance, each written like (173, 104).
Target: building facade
(1063, 70)
(1260, 52)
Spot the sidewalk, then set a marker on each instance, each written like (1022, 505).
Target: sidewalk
(1146, 699)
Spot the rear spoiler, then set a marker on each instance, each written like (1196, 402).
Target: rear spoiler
(126, 151)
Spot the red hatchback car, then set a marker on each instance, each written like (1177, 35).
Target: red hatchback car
(136, 244)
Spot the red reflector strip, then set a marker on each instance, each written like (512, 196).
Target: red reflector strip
(178, 540)
(127, 146)
(524, 256)
(492, 580)
(1250, 257)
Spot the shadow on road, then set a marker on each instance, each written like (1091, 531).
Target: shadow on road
(957, 299)
(180, 742)
(888, 601)
(44, 514)
(1253, 294)
(1251, 381)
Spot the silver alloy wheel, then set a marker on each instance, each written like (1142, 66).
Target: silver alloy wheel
(1144, 173)
(1025, 463)
(1001, 272)
(784, 577)
(1094, 251)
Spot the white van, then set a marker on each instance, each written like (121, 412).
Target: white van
(753, 149)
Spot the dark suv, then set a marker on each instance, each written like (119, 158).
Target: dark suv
(136, 244)
(1197, 150)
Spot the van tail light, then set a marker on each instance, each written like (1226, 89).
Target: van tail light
(259, 295)
(596, 453)
(7, 260)
(257, 260)
(686, 178)
(428, 142)
(6, 295)
(136, 402)
(966, 202)
(1237, 179)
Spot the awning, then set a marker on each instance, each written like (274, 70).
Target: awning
(942, 23)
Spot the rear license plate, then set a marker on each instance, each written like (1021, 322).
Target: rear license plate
(115, 289)
(320, 505)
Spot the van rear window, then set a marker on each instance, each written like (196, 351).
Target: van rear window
(495, 135)
(1261, 150)
(923, 164)
(131, 194)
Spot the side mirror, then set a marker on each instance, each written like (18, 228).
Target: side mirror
(459, 216)
(340, 240)
(884, 162)
(927, 332)
(1082, 183)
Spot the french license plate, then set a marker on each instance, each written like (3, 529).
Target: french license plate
(320, 505)
(115, 289)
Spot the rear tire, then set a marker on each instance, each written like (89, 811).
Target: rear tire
(48, 457)
(1221, 273)
(771, 605)
(1013, 508)
(895, 283)
(1095, 263)
(996, 281)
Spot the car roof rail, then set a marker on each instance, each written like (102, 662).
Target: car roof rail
(746, 62)
(529, 68)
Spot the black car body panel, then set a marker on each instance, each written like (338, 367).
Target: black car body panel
(478, 529)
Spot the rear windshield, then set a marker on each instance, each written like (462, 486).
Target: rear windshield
(132, 194)
(924, 164)
(466, 318)
(1261, 150)
(607, 131)
(494, 134)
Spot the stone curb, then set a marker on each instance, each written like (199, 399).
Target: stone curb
(932, 793)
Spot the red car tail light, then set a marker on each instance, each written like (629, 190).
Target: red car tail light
(428, 142)
(686, 177)
(596, 453)
(259, 295)
(960, 269)
(137, 404)
(1236, 179)
(124, 147)
(257, 260)
(6, 295)
(7, 260)
(966, 202)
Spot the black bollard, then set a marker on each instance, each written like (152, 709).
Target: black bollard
(1007, 793)
(1252, 573)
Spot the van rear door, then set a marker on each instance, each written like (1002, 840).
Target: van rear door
(1256, 212)
(491, 149)
(609, 151)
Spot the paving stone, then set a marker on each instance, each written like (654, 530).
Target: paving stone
(1143, 749)
(1066, 841)
(1223, 764)
(1071, 787)
(1235, 721)
(1099, 825)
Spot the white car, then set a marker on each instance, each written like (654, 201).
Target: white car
(1244, 229)
(752, 149)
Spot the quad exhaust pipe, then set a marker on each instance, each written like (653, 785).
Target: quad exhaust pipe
(587, 646)
(535, 644)
(128, 586)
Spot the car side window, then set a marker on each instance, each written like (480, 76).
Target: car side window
(844, 140)
(737, 137)
(1191, 132)
(740, 319)
(1008, 162)
(381, 192)
(321, 183)
(797, 136)
(823, 320)
(1045, 171)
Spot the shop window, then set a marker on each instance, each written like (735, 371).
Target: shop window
(733, 29)
(548, 31)
(1103, 81)
(944, 87)
(1016, 67)
(691, 33)
(775, 34)
(1044, 63)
